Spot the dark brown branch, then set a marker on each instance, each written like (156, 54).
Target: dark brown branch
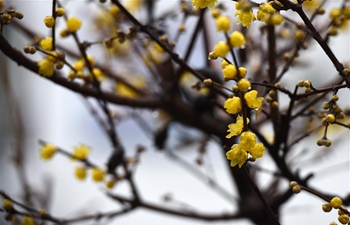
(185, 214)
(21, 60)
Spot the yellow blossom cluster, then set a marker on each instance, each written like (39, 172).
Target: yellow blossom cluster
(238, 154)
(336, 203)
(79, 67)
(80, 152)
(47, 65)
(233, 105)
(236, 39)
(244, 97)
(340, 18)
(266, 13)
(97, 174)
(236, 128)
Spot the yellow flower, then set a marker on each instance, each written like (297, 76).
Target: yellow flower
(299, 35)
(110, 184)
(334, 13)
(247, 140)
(28, 220)
(243, 84)
(125, 91)
(267, 14)
(132, 5)
(80, 173)
(60, 12)
(221, 49)
(233, 105)
(52, 57)
(276, 19)
(229, 72)
(49, 21)
(98, 74)
(264, 12)
(244, 13)
(252, 101)
(223, 23)
(236, 128)
(47, 151)
(242, 71)
(215, 13)
(79, 65)
(239, 152)
(237, 155)
(224, 63)
(46, 44)
(7, 205)
(346, 12)
(258, 150)
(98, 174)
(204, 3)
(237, 39)
(336, 202)
(73, 24)
(46, 68)
(114, 10)
(311, 5)
(81, 152)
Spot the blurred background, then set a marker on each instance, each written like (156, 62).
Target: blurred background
(34, 108)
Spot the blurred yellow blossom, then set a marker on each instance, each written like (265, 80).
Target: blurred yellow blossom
(80, 173)
(126, 91)
(46, 68)
(46, 44)
(47, 151)
(73, 24)
(311, 4)
(98, 174)
(133, 5)
(98, 74)
(204, 3)
(28, 220)
(49, 21)
(81, 152)
(110, 184)
(223, 23)
(7, 204)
